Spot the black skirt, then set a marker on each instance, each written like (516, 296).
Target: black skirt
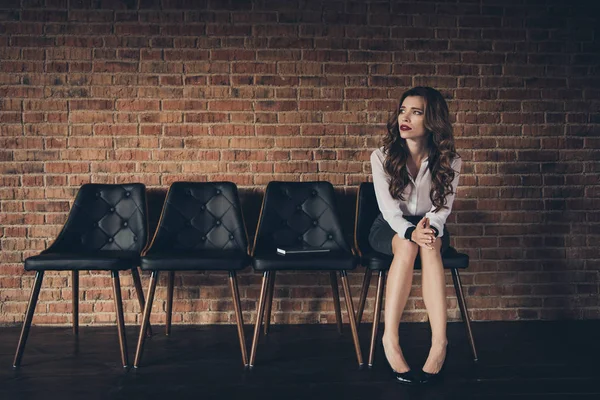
(381, 234)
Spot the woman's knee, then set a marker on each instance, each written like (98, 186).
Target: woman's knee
(401, 247)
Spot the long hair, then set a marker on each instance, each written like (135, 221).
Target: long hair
(440, 143)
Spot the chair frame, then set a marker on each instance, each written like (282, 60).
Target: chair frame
(379, 298)
(169, 306)
(35, 291)
(266, 300)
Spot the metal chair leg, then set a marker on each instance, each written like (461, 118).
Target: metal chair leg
(259, 317)
(145, 319)
(269, 305)
(350, 309)
(140, 294)
(376, 316)
(170, 285)
(463, 310)
(363, 296)
(336, 300)
(35, 292)
(120, 317)
(238, 315)
(75, 301)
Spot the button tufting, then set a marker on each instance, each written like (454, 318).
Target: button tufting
(188, 192)
(188, 223)
(97, 194)
(112, 209)
(125, 223)
(315, 222)
(127, 194)
(95, 224)
(202, 207)
(217, 223)
(203, 238)
(110, 240)
(298, 208)
(218, 191)
(314, 192)
(230, 237)
(329, 237)
(300, 238)
(135, 238)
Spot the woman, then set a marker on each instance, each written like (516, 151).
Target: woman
(415, 175)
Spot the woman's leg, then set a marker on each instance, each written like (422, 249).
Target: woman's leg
(397, 289)
(434, 296)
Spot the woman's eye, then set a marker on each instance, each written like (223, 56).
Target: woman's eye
(418, 113)
(402, 111)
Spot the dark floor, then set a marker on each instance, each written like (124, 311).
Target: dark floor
(518, 360)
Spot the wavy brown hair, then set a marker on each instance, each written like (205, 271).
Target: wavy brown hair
(440, 142)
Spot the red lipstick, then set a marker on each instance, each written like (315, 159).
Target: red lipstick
(405, 128)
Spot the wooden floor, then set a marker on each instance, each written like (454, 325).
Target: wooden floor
(518, 360)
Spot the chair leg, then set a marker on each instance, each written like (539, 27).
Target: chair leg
(363, 296)
(140, 293)
(259, 317)
(336, 300)
(463, 310)
(269, 305)
(238, 315)
(120, 317)
(145, 319)
(350, 309)
(35, 292)
(170, 285)
(75, 301)
(376, 316)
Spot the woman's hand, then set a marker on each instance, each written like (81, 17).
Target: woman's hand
(423, 235)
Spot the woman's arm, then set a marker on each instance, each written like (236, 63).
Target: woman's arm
(389, 207)
(438, 219)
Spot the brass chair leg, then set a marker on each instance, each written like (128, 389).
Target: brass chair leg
(35, 292)
(269, 305)
(350, 309)
(463, 310)
(376, 316)
(140, 294)
(170, 284)
(120, 317)
(336, 300)
(238, 315)
(363, 296)
(75, 301)
(259, 317)
(145, 319)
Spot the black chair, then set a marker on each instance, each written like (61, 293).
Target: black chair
(201, 228)
(301, 214)
(366, 212)
(106, 230)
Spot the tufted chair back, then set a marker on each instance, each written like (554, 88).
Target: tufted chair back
(299, 214)
(201, 216)
(105, 217)
(367, 211)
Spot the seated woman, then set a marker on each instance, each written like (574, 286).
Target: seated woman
(415, 175)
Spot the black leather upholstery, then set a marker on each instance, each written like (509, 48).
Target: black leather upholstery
(201, 228)
(105, 230)
(367, 211)
(297, 214)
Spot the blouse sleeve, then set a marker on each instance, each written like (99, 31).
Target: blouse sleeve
(438, 219)
(389, 207)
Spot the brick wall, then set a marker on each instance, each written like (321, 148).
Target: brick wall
(156, 91)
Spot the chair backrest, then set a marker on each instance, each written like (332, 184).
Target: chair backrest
(299, 214)
(367, 211)
(105, 217)
(201, 216)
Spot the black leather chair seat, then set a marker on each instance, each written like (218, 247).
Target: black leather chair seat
(225, 260)
(105, 260)
(381, 262)
(334, 260)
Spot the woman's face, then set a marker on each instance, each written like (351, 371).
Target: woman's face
(411, 120)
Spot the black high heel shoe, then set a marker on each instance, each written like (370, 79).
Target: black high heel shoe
(406, 378)
(425, 378)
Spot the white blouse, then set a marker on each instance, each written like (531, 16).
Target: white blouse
(416, 194)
